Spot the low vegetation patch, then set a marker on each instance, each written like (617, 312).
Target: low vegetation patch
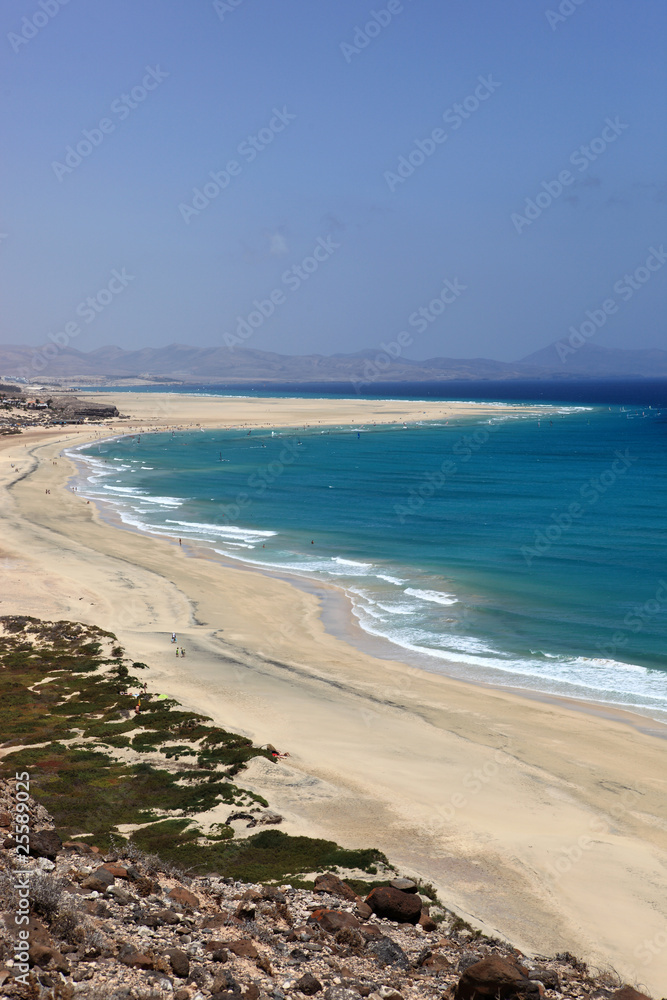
(67, 702)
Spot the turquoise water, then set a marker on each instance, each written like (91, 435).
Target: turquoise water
(510, 549)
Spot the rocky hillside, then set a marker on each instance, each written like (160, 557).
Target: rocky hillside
(122, 924)
(19, 410)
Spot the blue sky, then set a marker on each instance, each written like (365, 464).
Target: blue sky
(328, 171)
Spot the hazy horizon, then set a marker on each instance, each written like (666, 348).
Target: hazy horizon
(485, 178)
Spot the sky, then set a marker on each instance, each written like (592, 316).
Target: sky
(320, 177)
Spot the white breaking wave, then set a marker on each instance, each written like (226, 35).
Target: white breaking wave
(431, 595)
(352, 562)
(223, 529)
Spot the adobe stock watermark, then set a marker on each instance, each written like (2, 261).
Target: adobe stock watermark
(566, 8)
(624, 288)
(590, 492)
(249, 149)
(419, 320)
(636, 620)
(455, 116)
(573, 853)
(651, 947)
(364, 35)
(31, 26)
(432, 482)
(581, 157)
(21, 831)
(223, 7)
(88, 310)
(121, 107)
(292, 279)
(474, 781)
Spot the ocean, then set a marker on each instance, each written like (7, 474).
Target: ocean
(516, 550)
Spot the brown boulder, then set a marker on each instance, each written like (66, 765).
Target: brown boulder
(42, 950)
(215, 922)
(495, 978)
(274, 895)
(77, 847)
(363, 911)
(427, 922)
(246, 910)
(116, 870)
(628, 993)
(42, 954)
(393, 904)
(98, 881)
(242, 949)
(436, 963)
(335, 886)
(184, 897)
(372, 932)
(308, 985)
(45, 844)
(135, 959)
(217, 950)
(179, 961)
(5, 819)
(333, 920)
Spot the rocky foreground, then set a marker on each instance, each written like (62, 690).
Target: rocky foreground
(123, 924)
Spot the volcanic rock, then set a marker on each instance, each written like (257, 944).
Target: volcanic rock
(335, 887)
(333, 920)
(308, 985)
(628, 993)
(495, 978)
(393, 904)
(184, 897)
(179, 961)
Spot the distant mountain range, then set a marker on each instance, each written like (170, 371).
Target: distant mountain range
(180, 363)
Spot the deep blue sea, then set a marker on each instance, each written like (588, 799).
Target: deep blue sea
(516, 550)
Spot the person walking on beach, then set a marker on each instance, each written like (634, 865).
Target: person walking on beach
(173, 637)
(177, 651)
(182, 651)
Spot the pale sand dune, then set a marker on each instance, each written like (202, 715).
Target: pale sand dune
(479, 791)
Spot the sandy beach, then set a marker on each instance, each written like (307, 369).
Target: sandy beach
(539, 823)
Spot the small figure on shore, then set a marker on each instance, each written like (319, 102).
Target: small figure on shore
(177, 651)
(173, 637)
(182, 652)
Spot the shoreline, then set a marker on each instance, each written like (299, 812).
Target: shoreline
(338, 619)
(383, 754)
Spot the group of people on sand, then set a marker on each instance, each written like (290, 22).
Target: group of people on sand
(275, 754)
